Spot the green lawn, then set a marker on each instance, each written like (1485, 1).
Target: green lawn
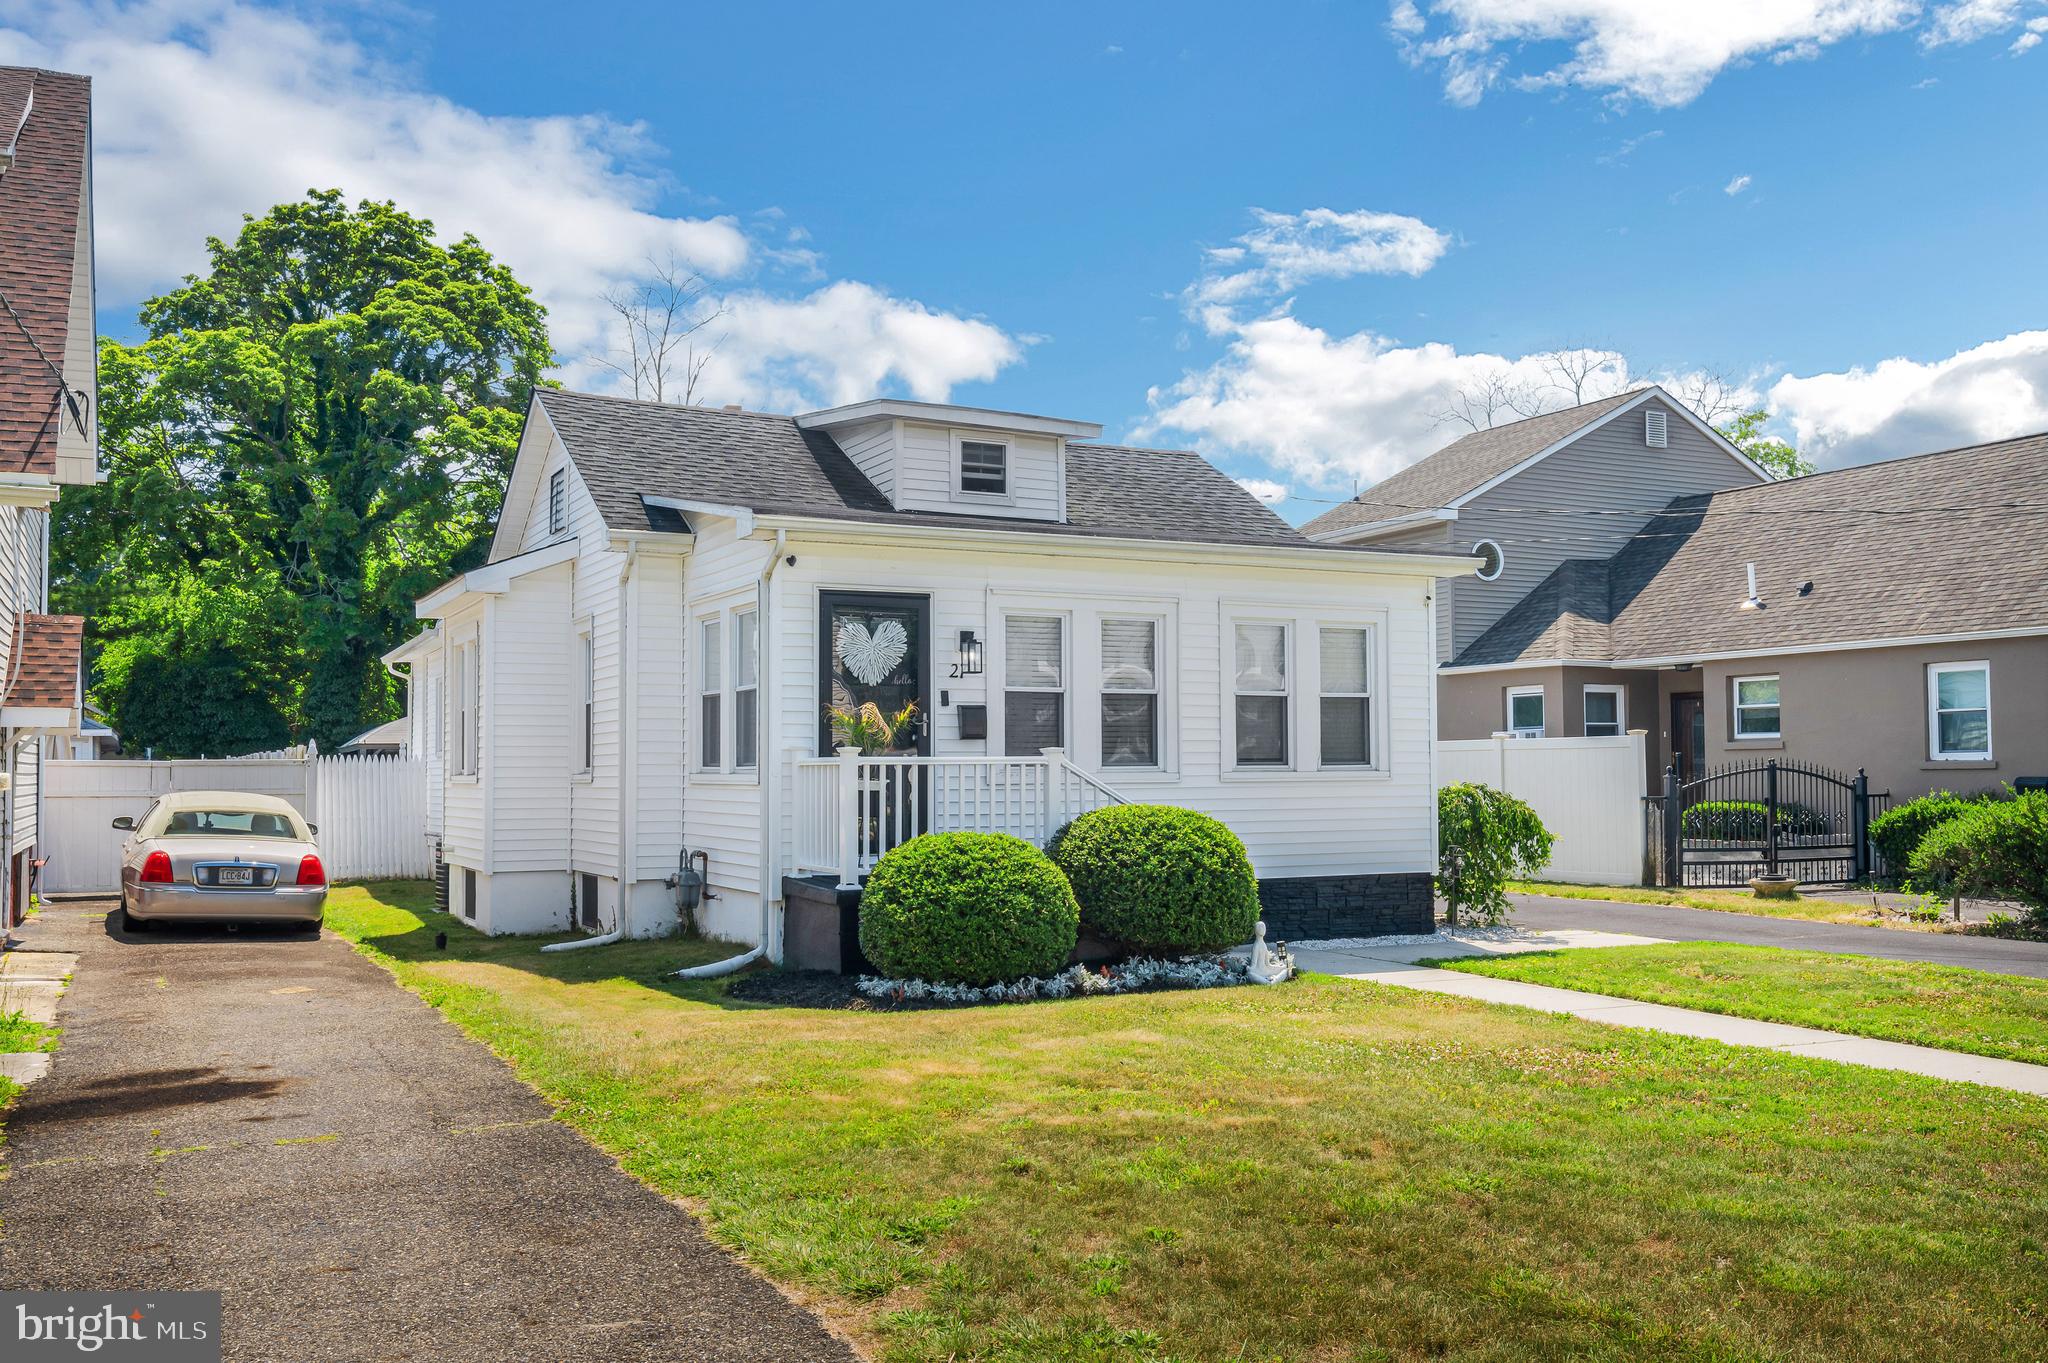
(1928, 1005)
(1850, 909)
(1322, 1171)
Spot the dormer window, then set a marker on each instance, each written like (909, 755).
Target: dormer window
(985, 467)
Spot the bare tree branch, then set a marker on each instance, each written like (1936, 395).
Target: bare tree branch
(660, 316)
(1713, 396)
(1584, 374)
(1485, 402)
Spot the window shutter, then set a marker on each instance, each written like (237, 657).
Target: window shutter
(1653, 428)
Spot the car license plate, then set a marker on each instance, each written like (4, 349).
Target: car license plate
(236, 875)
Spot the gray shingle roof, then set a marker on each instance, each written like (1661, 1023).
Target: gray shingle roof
(39, 241)
(626, 450)
(1932, 544)
(1462, 465)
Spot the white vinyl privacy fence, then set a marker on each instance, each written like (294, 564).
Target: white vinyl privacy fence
(1588, 792)
(371, 811)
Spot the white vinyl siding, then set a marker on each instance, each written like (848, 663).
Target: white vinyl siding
(1260, 687)
(1130, 693)
(1757, 710)
(1525, 711)
(927, 471)
(1959, 711)
(1034, 684)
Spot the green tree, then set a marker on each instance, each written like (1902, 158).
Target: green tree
(1780, 460)
(1485, 838)
(310, 435)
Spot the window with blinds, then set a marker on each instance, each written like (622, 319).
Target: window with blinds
(1346, 685)
(710, 684)
(1034, 684)
(984, 467)
(588, 649)
(1130, 693)
(1260, 683)
(745, 687)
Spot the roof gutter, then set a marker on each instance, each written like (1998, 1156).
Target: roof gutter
(1369, 530)
(826, 529)
(1761, 651)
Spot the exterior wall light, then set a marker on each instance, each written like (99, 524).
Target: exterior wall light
(970, 654)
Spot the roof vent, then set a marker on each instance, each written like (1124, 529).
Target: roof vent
(1653, 428)
(734, 407)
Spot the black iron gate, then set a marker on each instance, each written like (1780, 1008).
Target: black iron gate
(1733, 824)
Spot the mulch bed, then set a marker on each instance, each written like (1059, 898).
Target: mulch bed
(806, 989)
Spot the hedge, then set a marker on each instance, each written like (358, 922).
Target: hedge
(967, 908)
(1745, 820)
(1898, 831)
(1990, 850)
(1157, 878)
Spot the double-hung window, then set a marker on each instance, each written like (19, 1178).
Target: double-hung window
(1346, 712)
(985, 467)
(1034, 684)
(1959, 711)
(1605, 714)
(1130, 693)
(711, 693)
(1756, 708)
(1525, 711)
(586, 648)
(1260, 686)
(745, 687)
(468, 708)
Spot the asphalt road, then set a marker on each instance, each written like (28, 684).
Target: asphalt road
(273, 1117)
(1706, 925)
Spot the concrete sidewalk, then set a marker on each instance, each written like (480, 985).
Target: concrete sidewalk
(1397, 965)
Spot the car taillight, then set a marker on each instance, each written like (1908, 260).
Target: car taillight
(311, 872)
(156, 868)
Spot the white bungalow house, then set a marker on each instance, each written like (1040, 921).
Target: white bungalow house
(675, 596)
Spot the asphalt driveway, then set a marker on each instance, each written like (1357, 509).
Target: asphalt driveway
(273, 1117)
(1707, 925)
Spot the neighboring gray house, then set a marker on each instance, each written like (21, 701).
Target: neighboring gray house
(1896, 622)
(1531, 495)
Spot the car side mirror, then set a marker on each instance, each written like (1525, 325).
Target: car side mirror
(126, 823)
(312, 828)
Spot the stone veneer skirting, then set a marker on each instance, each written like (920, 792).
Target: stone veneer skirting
(1311, 908)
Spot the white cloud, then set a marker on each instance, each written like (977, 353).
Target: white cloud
(1287, 250)
(2036, 33)
(1968, 20)
(1736, 186)
(1901, 406)
(1657, 51)
(206, 109)
(845, 342)
(1331, 410)
(1265, 489)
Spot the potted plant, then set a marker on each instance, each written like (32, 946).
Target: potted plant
(866, 728)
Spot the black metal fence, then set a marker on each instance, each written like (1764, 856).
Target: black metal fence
(1733, 824)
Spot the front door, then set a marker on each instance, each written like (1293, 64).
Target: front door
(875, 649)
(1688, 733)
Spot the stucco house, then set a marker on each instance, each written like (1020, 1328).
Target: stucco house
(675, 596)
(1886, 618)
(48, 428)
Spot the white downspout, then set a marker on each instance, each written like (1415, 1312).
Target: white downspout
(764, 765)
(629, 695)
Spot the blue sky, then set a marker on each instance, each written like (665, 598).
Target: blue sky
(1013, 206)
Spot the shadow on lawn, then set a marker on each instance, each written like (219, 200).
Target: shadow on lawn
(404, 925)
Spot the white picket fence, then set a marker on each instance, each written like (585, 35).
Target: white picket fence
(371, 811)
(1588, 792)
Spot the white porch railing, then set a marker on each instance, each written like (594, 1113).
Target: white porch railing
(851, 809)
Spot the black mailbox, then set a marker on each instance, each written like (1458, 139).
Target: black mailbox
(974, 721)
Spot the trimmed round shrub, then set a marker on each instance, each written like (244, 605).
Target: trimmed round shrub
(1899, 831)
(967, 908)
(1991, 850)
(1160, 879)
